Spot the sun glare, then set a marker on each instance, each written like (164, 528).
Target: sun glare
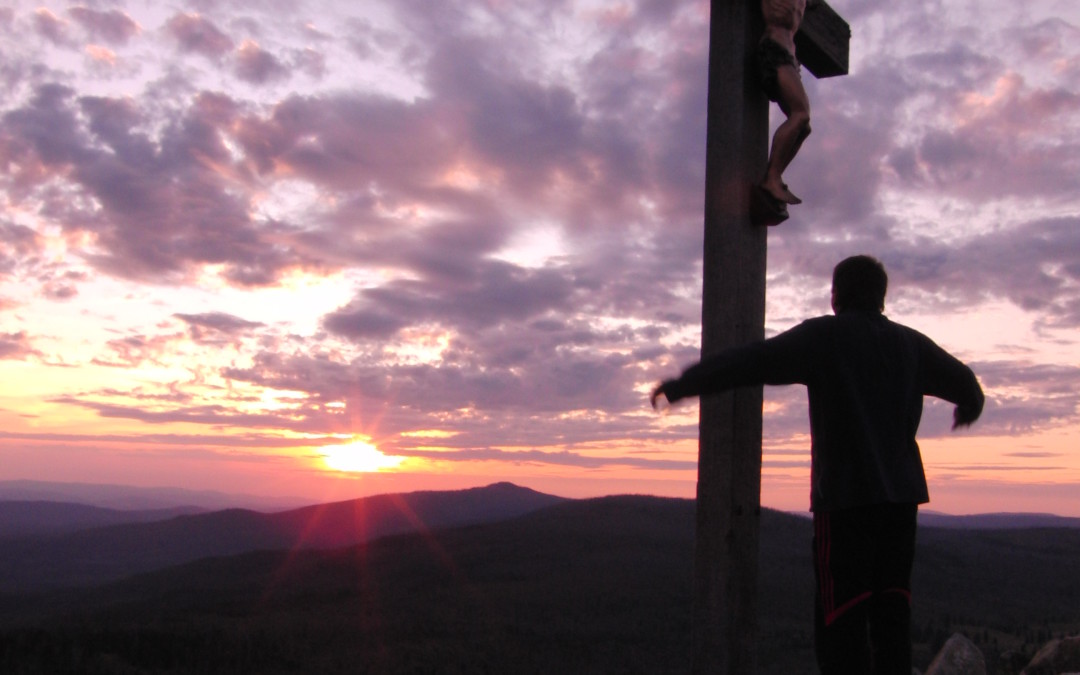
(358, 457)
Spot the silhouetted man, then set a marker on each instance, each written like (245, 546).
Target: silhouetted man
(866, 378)
(779, 71)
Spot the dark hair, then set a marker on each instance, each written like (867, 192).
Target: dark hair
(859, 282)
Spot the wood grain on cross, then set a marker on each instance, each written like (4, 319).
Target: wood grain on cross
(733, 313)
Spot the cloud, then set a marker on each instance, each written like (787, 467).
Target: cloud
(197, 34)
(19, 247)
(212, 414)
(112, 26)
(218, 321)
(1031, 156)
(156, 209)
(563, 458)
(1033, 264)
(217, 329)
(51, 27)
(310, 61)
(256, 65)
(134, 350)
(526, 129)
(364, 39)
(223, 440)
(59, 291)
(1032, 395)
(390, 155)
(994, 468)
(16, 346)
(458, 299)
(348, 142)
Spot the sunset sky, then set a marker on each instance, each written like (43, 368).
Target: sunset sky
(331, 249)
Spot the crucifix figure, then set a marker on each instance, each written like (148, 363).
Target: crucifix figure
(733, 314)
(780, 78)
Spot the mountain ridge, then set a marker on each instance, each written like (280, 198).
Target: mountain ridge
(130, 497)
(1002, 520)
(101, 554)
(34, 518)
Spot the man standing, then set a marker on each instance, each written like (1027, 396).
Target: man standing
(866, 378)
(782, 83)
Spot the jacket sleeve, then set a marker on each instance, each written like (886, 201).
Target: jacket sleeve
(782, 359)
(946, 377)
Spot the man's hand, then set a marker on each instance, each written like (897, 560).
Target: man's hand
(969, 411)
(964, 416)
(657, 392)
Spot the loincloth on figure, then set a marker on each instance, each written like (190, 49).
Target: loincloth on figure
(771, 55)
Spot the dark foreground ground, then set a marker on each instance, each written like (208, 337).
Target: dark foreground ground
(594, 586)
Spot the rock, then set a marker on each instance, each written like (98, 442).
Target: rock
(1057, 657)
(959, 656)
(1013, 660)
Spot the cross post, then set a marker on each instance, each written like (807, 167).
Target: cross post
(733, 313)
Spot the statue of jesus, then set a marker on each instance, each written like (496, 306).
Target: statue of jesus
(782, 83)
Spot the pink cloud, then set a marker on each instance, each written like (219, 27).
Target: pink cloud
(51, 27)
(112, 26)
(199, 35)
(258, 66)
(217, 328)
(134, 350)
(16, 346)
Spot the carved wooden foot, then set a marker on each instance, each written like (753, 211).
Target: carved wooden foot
(766, 209)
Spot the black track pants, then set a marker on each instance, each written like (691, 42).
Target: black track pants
(862, 560)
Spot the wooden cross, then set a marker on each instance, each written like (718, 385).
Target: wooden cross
(733, 313)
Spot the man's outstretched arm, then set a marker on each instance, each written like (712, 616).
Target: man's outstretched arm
(948, 378)
(729, 368)
(782, 359)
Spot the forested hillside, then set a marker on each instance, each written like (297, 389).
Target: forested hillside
(591, 586)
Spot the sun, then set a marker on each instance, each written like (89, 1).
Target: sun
(358, 457)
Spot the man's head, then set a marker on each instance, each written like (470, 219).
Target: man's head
(859, 282)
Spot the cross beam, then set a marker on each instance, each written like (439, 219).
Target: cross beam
(822, 41)
(733, 313)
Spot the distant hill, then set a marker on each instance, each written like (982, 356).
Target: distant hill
(21, 519)
(95, 556)
(996, 521)
(581, 586)
(131, 498)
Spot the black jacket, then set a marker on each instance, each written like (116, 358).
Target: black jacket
(866, 377)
